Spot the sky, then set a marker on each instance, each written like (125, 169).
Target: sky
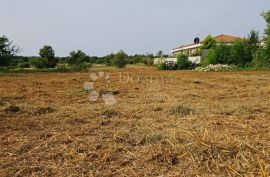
(100, 27)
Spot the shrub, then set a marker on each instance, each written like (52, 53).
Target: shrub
(253, 41)
(161, 66)
(241, 54)
(78, 58)
(220, 54)
(82, 66)
(48, 53)
(183, 62)
(149, 60)
(39, 62)
(261, 59)
(24, 65)
(120, 59)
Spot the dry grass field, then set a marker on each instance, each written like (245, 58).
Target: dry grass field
(165, 123)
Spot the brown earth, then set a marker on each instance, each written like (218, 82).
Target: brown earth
(170, 123)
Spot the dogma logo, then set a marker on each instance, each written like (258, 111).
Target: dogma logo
(107, 97)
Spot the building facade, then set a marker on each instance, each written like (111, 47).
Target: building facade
(193, 50)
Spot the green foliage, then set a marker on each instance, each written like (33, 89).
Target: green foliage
(253, 41)
(160, 53)
(78, 57)
(48, 53)
(183, 62)
(262, 57)
(266, 16)
(7, 51)
(120, 59)
(161, 66)
(109, 59)
(241, 53)
(208, 42)
(82, 66)
(220, 54)
(24, 65)
(149, 60)
(39, 62)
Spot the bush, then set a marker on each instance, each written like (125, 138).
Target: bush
(261, 59)
(241, 54)
(78, 58)
(39, 62)
(24, 65)
(48, 53)
(148, 60)
(220, 54)
(120, 59)
(183, 62)
(83, 66)
(7, 51)
(161, 66)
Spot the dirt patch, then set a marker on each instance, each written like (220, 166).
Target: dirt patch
(166, 157)
(182, 110)
(12, 109)
(109, 113)
(44, 110)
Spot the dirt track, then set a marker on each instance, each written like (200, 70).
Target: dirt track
(171, 123)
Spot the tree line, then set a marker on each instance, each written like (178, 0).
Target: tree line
(77, 60)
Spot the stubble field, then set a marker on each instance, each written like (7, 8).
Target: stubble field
(164, 123)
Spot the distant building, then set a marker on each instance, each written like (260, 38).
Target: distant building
(192, 50)
(158, 61)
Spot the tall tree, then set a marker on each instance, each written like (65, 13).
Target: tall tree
(209, 42)
(48, 53)
(160, 54)
(7, 50)
(262, 56)
(254, 41)
(120, 59)
(266, 16)
(78, 57)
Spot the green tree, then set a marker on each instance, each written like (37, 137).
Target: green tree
(149, 59)
(78, 57)
(254, 41)
(120, 59)
(266, 16)
(108, 59)
(220, 54)
(241, 55)
(7, 51)
(262, 56)
(160, 54)
(254, 38)
(48, 53)
(208, 42)
(183, 62)
(39, 62)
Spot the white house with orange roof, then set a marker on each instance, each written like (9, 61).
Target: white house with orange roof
(193, 50)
